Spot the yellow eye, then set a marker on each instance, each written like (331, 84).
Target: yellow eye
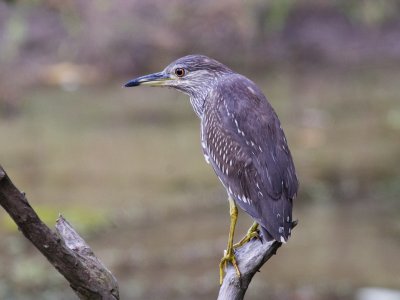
(180, 72)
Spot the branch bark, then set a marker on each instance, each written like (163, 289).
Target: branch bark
(250, 258)
(88, 277)
(64, 249)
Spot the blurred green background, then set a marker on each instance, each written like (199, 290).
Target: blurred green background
(125, 166)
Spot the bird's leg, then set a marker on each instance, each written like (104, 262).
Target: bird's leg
(251, 233)
(229, 255)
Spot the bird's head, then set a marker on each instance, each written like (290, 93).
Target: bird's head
(191, 74)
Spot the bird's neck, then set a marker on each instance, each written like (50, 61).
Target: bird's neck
(198, 104)
(199, 96)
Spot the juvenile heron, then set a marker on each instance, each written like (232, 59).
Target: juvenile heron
(242, 139)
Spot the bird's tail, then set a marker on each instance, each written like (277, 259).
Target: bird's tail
(266, 236)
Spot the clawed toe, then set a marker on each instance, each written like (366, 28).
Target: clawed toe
(251, 234)
(229, 257)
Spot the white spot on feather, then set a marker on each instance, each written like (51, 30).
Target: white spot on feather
(251, 90)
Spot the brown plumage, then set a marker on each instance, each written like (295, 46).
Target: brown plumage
(242, 139)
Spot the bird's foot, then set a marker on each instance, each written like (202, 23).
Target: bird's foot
(228, 257)
(251, 234)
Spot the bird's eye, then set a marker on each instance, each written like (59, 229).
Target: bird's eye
(180, 72)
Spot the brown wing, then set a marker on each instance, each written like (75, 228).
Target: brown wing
(249, 153)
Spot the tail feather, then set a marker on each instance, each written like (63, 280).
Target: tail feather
(280, 238)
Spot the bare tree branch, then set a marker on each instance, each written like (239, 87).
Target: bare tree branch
(250, 257)
(65, 250)
(87, 276)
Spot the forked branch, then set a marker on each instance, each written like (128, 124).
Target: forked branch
(64, 249)
(87, 276)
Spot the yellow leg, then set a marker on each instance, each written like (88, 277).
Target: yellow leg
(229, 255)
(251, 233)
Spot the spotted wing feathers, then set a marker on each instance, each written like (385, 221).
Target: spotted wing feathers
(248, 151)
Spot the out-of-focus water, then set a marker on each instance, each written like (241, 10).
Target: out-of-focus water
(126, 168)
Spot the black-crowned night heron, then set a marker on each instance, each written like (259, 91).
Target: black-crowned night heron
(242, 139)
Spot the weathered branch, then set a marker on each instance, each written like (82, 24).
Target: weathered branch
(250, 257)
(64, 249)
(87, 276)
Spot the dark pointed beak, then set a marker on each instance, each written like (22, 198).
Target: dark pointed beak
(156, 79)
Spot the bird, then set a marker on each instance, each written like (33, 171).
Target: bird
(243, 140)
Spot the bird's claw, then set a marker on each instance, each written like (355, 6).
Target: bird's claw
(228, 257)
(251, 234)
